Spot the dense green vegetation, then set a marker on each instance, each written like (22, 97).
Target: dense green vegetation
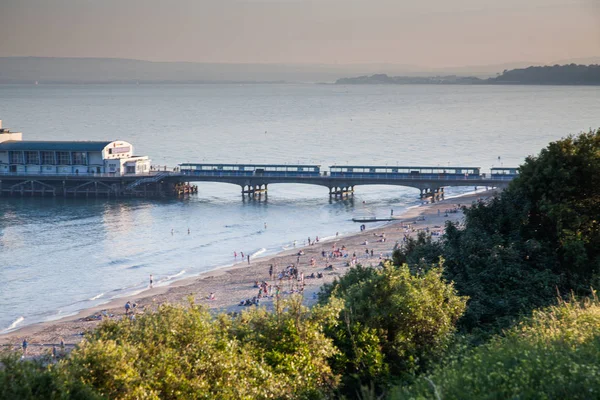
(186, 353)
(552, 355)
(393, 325)
(477, 314)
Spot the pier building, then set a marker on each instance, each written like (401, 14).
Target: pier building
(68, 157)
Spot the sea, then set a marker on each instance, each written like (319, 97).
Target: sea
(59, 256)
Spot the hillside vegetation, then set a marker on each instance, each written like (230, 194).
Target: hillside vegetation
(552, 355)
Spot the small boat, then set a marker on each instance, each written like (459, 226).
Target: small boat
(371, 219)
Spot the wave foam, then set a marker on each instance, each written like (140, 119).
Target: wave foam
(258, 252)
(14, 324)
(96, 297)
(170, 277)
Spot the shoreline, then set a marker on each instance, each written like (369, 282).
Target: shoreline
(234, 283)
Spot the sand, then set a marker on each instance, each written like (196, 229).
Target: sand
(236, 283)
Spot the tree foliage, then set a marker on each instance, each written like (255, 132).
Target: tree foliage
(393, 324)
(182, 353)
(552, 355)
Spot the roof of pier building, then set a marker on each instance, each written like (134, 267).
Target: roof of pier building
(33, 145)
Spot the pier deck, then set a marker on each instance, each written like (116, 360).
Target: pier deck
(254, 182)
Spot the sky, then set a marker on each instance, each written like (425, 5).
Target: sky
(430, 33)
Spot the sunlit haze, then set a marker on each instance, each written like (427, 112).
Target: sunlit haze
(429, 33)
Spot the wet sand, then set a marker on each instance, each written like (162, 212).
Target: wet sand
(237, 283)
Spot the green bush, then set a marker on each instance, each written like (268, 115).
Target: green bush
(186, 353)
(37, 379)
(552, 355)
(393, 324)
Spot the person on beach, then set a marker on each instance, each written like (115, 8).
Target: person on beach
(242, 253)
(271, 271)
(53, 351)
(25, 344)
(151, 281)
(127, 308)
(248, 258)
(265, 225)
(62, 345)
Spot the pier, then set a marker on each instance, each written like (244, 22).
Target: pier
(111, 169)
(254, 180)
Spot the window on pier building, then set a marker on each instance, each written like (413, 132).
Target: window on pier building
(63, 158)
(32, 157)
(79, 158)
(16, 157)
(47, 157)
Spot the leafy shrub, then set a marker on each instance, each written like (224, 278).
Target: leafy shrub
(552, 355)
(185, 353)
(393, 323)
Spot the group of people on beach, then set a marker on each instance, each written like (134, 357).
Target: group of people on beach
(235, 254)
(130, 309)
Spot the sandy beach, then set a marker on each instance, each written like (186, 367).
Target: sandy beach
(234, 284)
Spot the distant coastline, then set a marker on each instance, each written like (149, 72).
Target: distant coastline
(115, 71)
(571, 74)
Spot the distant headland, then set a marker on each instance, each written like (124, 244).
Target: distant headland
(571, 74)
(73, 70)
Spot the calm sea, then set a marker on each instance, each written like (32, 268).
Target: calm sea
(58, 255)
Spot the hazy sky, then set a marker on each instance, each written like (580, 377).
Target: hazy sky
(434, 33)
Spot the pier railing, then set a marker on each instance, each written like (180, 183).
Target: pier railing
(328, 175)
(86, 174)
